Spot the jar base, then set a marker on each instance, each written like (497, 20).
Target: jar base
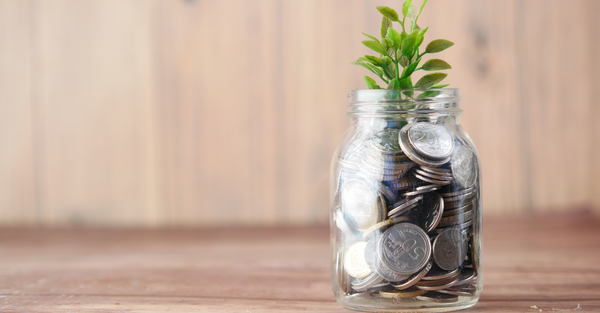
(367, 303)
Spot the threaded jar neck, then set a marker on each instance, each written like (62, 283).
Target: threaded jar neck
(415, 102)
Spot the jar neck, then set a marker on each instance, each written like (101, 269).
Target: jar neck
(405, 104)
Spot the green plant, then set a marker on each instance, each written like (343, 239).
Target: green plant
(401, 50)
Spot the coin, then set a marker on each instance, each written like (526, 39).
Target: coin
(355, 264)
(463, 166)
(386, 273)
(387, 140)
(437, 273)
(429, 188)
(430, 140)
(403, 206)
(413, 280)
(385, 223)
(405, 294)
(454, 220)
(450, 249)
(459, 291)
(361, 204)
(433, 181)
(437, 170)
(404, 248)
(431, 211)
(371, 252)
(437, 297)
(412, 154)
(434, 176)
(458, 211)
(367, 282)
(408, 208)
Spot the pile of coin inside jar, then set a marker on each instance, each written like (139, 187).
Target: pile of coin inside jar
(406, 199)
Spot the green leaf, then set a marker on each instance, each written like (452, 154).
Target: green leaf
(429, 94)
(394, 84)
(389, 13)
(373, 69)
(408, 44)
(406, 83)
(438, 45)
(375, 46)
(371, 83)
(388, 43)
(439, 86)
(430, 80)
(409, 70)
(395, 36)
(412, 12)
(404, 61)
(436, 65)
(387, 63)
(372, 59)
(371, 36)
(385, 24)
(421, 36)
(406, 7)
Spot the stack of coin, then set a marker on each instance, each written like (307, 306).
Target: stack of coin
(407, 200)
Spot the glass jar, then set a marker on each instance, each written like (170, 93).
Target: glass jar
(405, 206)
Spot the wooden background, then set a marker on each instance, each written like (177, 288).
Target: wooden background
(221, 112)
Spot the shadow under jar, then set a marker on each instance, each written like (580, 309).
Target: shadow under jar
(405, 205)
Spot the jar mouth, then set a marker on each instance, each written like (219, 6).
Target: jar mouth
(378, 102)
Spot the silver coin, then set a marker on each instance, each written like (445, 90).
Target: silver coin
(404, 211)
(450, 249)
(371, 252)
(430, 140)
(404, 248)
(413, 280)
(457, 291)
(432, 209)
(459, 193)
(387, 140)
(454, 220)
(421, 191)
(403, 206)
(463, 166)
(361, 204)
(367, 282)
(434, 176)
(437, 273)
(387, 274)
(437, 171)
(414, 155)
(433, 181)
(467, 276)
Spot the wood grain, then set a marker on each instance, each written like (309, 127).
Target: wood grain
(227, 112)
(547, 261)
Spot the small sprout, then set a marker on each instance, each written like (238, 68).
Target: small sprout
(399, 52)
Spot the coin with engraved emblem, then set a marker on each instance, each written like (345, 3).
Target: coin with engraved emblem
(412, 153)
(404, 248)
(430, 140)
(431, 210)
(450, 249)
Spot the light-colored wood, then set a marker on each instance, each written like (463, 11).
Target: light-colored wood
(546, 261)
(18, 146)
(95, 94)
(219, 112)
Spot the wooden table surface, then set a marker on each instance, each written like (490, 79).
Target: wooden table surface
(531, 264)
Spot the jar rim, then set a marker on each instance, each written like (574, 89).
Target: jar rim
(404, 101)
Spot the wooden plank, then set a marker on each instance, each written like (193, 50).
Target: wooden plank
(548, 261)
(100, 136)
(17, 174)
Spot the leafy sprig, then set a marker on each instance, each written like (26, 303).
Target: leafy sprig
(399, 53)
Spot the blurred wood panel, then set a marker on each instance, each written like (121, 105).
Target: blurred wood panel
(227, 112)
(17, 164)
(94, 72)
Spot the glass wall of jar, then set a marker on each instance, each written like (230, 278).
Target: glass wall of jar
(405, 205)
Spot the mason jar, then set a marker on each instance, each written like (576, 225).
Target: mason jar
(405, 205)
